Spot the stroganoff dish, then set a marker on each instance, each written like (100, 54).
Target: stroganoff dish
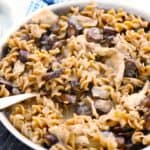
(91, 67)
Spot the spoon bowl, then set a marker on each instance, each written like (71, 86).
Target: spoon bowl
(6, 102)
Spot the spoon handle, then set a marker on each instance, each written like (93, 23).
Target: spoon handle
(11, 100)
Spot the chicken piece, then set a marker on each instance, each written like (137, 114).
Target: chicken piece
(36, 31)
(86, 21)
(45, 17)
(116, 62)
(19, 68)
(133, 100)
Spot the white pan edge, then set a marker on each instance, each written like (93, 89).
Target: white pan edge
(58, 7)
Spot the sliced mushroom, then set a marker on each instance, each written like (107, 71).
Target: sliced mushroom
(15, 91)
(74, 27)
(47, 41)
(52, 138)
(44, 39)
(73, 21)
(59, 44)
(120, 141)
(123, 134)
(130, 69)
(83, 109)
(5, 50)
(71, 31)
(103, 106)
(75, 85)
(51, 75)
(108, 41)
(94, 35)
(23, 56)
(52, 39)
(109, 31)
(108, 37)
(118, 129)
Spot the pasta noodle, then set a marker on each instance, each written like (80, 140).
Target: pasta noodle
(91, 67)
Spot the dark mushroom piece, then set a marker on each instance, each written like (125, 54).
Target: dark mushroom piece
(52, 39)
(46, 41)
(23, 56)
(5, 50)
(15, 91)
(108, 36)
(120, 141)
(131, 69)
(119, 129)
(83, 109)
(94, 35)
(108, 41)
(125, 132)
(71, 30)
(52, 139)
(75, 85)
(109, 31)
(52, 75)
(131, 146)
(74, 27)
(59, 44)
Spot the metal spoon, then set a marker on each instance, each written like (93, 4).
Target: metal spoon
(6, 102)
